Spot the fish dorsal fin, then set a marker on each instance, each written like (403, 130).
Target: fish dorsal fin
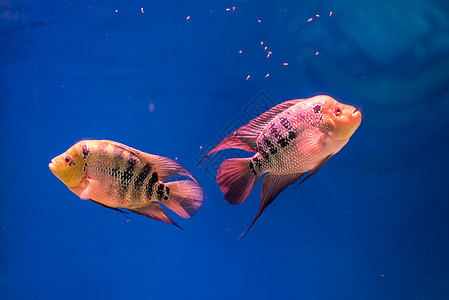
(166, 168)
(245, 137)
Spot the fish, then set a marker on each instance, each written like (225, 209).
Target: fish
(289, 140)
(117, 176)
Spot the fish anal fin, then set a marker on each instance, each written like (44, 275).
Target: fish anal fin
(272, 186)
(113, 208)
(316, 169)
(246, 136)
(155, 211)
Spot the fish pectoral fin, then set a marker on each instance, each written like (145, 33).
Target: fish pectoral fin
(156, 212)
(245, 137)
(272, 186)
(91, 186)
(314, 170)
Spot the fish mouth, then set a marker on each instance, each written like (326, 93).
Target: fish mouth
(356, 113)
(356, 118)
(52, 165)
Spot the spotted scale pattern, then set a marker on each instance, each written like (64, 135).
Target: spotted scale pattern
(279, 144)
(124, 180)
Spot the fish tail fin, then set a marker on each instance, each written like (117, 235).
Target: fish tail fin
(236, 179)
(185, 197)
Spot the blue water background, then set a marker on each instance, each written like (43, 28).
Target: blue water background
(372, 224)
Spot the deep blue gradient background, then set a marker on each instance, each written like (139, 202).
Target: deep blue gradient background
(372, 224)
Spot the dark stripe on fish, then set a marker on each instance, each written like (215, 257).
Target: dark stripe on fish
(292, 135)
(140, 178)
(149, 190)
(251, 167)
(132, 160)
(283, 142)
(257, 161)
(268, 143)
(272, 148)
(274, 131)
(127, 175)
(167, 192)
(114, 172)
(286, 123)
(160, 191)
(85, 151)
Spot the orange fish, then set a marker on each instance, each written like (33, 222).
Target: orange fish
(290, 139)
(117, 176)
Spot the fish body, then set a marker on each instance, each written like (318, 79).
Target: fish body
(289, 140)
(118, 176)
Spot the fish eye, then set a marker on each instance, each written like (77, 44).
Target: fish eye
(68, 159)
(337, 111)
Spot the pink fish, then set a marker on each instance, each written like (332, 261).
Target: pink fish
(289, 140)
(117, 176)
